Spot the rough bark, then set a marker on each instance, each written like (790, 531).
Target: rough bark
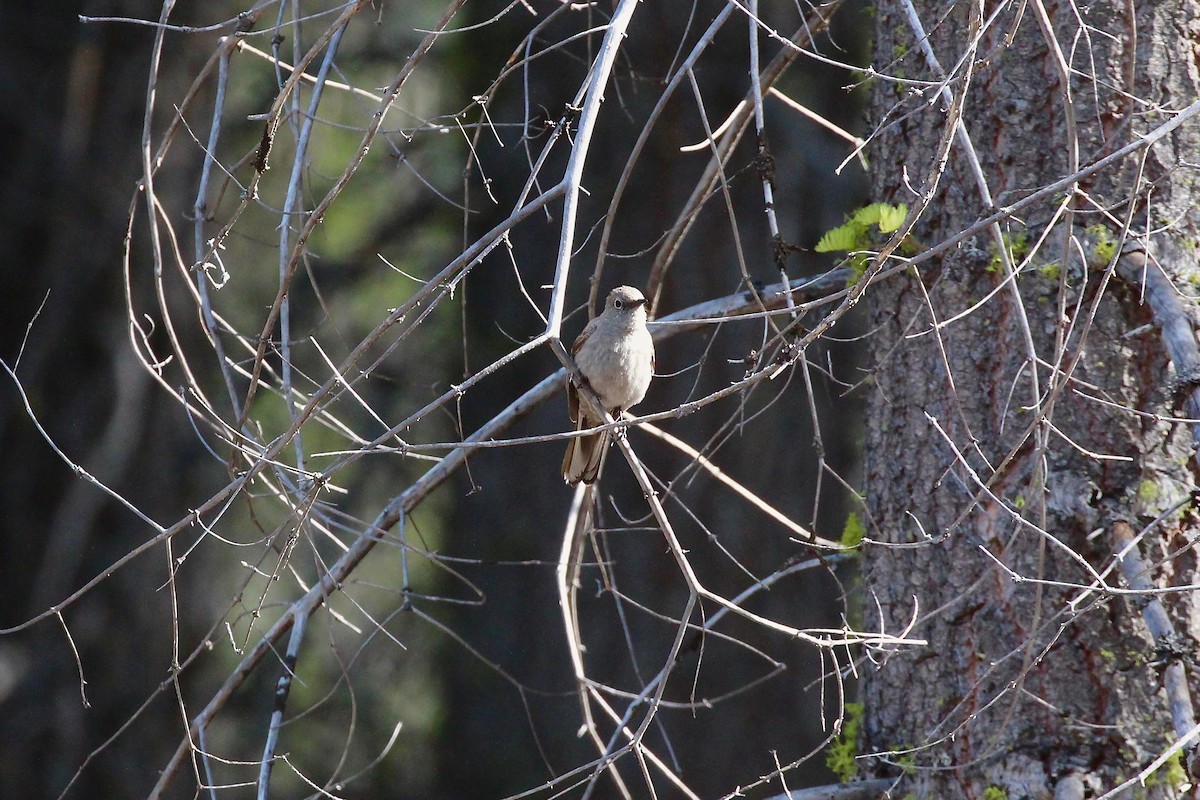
(1026, 685)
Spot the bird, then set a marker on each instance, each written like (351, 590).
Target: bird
(616, 355)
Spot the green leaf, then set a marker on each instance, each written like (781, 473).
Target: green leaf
(891, 217)
(853, 235)
(853, 531)
(840, 755)
(843, 238)
(868, 215)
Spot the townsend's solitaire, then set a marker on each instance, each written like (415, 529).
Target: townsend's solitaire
(616, 355)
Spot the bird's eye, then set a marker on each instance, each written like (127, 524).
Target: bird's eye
(618, 304)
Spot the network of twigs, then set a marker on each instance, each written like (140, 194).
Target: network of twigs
(272, 463)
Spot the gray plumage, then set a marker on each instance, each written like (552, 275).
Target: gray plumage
(616, 355)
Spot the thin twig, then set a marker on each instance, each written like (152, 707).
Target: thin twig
(282, 688)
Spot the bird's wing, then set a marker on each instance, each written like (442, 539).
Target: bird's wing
(572, 400)
(584, 335)
(572, 392)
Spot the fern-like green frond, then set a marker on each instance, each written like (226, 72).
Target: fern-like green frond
(842, 239)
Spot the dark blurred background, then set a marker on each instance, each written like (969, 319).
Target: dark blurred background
(483, 688)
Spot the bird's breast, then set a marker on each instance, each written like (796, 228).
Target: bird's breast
(620, 375)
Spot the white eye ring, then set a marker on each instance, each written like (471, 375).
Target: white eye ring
(618, 304)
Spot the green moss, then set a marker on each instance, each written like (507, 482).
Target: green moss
(1171, 773)
(994, 793)
(840, 758)
(1051, 271)
(1148, 491)
(1017, 246)
(853, 531)
(1105, 246)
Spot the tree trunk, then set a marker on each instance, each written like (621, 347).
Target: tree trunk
(996, 490)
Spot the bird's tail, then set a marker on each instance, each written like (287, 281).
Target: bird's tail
(584, 454)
